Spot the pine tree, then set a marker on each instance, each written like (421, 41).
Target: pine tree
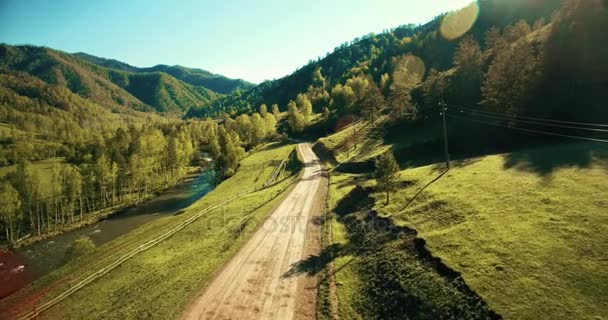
(386, 173)
(468, 60)
(511, 78)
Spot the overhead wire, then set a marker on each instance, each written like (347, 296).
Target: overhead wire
(509, 118)
(532, 118)
(526, 129)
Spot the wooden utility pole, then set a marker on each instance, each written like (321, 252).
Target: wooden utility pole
(445, 135)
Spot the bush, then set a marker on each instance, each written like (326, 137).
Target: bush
(79, 248)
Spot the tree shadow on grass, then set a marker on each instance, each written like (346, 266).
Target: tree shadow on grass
(314, 264)
(544, 160)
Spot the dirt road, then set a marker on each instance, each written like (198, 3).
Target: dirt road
(261, 282)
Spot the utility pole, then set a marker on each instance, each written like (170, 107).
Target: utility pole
(445, 135)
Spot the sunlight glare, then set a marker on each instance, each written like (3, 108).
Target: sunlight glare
(457, 23)
(409, 71)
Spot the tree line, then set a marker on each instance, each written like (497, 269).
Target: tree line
(122, 169)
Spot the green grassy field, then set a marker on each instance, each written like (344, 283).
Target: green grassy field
(379, 273)
(533, 246)
(159, 282)
(528, 231)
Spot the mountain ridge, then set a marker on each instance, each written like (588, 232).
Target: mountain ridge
(142, 91)
(194, 76)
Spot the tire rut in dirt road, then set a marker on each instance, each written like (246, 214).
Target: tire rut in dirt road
(257, 282)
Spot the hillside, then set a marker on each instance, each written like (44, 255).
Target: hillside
(524, 230)
(375, 54)
(193, 76)
(110, 88)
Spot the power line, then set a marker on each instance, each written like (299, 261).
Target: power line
(508, 118)
(529, 130)
(533, 118)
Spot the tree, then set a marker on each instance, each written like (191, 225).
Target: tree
(517, 31)
(511, 79)
(325, 113)
(372, 102)
(384, 81)
(271, 124)
(493, 39)
(342, 98)
(407, 74)
(575, 64)
(295, 118)
(263, 110)
(211, 139)
(244, 128)
(231, 151)
(304, 105)
(468, 60)
(258, 129)
(80, 247)
(72, 188)
(275, 111)
(317, 78)
(386, 173)
(11, 204)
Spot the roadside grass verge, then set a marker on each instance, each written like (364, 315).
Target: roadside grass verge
(159, 282)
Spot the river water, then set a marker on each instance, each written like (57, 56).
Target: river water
(27, 264)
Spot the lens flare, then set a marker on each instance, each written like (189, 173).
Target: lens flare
(457, 23)
(409, 71)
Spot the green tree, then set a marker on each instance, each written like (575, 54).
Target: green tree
(72, 186)
(318, 80)
(511, 79)
(359, 85)
(372, 102)
(386, 173)
(259, 129)
(304, 105)
(231, 151)
(9, 212)
(467, 81)
(342, 98)
(263, 110)
(325, 113)
(80, 247)
(275, 111)
(384, 81)
(295, 118)
(271, 123)
(244, 128)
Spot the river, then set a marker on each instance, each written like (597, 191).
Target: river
(27, 264)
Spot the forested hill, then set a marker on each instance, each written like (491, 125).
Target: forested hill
(376, 55)
(197, 77)
(111, 88)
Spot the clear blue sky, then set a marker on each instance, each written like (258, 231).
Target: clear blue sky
(250, 39)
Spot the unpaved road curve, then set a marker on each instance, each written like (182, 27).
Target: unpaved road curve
(257, 282)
